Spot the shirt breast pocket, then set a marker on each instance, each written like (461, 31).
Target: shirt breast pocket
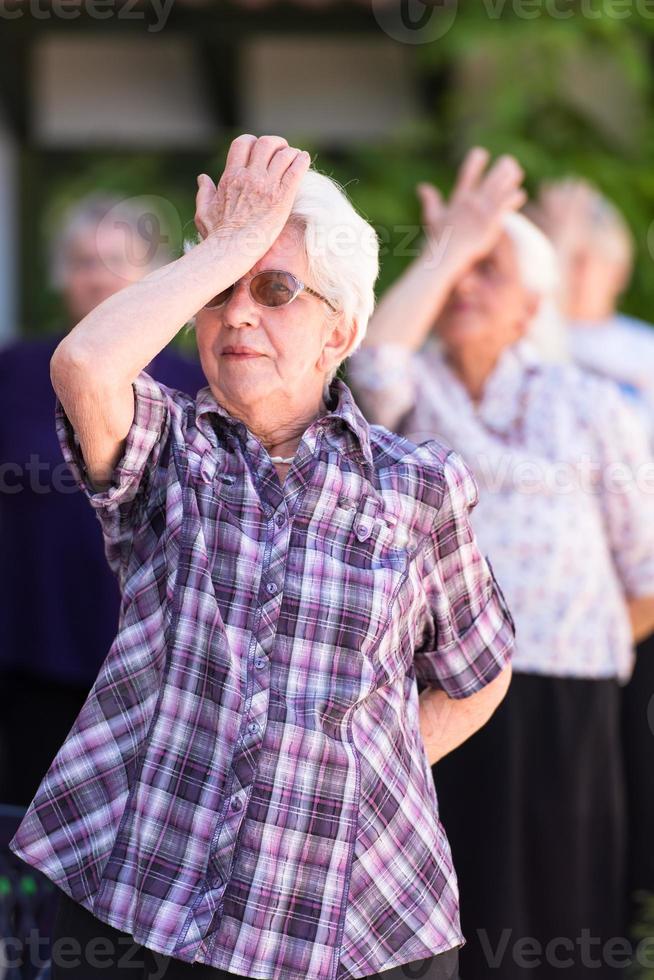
(361, 564)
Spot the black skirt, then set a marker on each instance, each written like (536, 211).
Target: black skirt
(638, 748)
(534, 808)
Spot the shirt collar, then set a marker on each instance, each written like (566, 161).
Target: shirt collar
(343, 418)
(501, 403)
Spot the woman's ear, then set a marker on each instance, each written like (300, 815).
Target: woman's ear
(340, 340)
(531, 307)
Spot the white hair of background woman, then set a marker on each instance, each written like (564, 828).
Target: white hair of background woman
(540, 273)
(342, 250)
(85, 217)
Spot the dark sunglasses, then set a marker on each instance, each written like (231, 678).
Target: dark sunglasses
(271, 288)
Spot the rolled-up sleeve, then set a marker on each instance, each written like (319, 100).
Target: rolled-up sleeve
(469, 632)
(119, 506)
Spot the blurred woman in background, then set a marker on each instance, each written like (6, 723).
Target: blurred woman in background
(595, 248)
(59, 604)
(455, 350)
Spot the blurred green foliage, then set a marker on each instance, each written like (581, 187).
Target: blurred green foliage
(566, 94)
(642, 937)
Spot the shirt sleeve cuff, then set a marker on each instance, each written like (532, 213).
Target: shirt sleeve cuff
(144, 433)
(476, 657)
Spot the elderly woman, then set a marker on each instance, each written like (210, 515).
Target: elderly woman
(534, 802)
(246, 790)
(56, 628)
(596, 249)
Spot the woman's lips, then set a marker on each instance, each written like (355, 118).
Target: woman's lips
(231, 354)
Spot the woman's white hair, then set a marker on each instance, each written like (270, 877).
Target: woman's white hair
(342, 251)
(540, 273)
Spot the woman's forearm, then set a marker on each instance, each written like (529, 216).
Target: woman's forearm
(127, 330)
(456, 235)
(408, 309)
(239, 219)
(445, 723)
(641, 614)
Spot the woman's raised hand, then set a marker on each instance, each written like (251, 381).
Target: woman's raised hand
(251, 203)
(458, 233)
(564, 210)
(469, 224)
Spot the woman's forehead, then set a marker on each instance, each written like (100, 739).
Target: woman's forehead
(505, 256)
(504, 247)
(286, 253)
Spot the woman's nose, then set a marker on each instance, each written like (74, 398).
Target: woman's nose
(240, 308)
(467, 283)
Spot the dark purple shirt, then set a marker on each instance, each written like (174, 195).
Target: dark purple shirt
(59, 599)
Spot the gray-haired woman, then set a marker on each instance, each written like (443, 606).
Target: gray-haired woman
(566, 513)
(247, 790)
(55, 638)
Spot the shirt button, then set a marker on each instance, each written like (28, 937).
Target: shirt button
(259, 663)
(236, 804)
(362, 532)
(253, 727)
(280, 520)
(271, 588)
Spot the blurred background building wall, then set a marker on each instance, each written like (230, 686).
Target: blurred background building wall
(83, 89)
(139, 103)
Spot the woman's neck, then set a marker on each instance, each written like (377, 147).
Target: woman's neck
(473, 367)
(279, 427)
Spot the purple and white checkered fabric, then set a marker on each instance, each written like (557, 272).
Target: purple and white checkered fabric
(246, 785)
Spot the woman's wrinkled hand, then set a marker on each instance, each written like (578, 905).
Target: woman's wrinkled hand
(470, 223)
(252, 201)
(565, 210)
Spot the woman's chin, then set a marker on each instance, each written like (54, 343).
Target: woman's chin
(460, 333)
(244, 384)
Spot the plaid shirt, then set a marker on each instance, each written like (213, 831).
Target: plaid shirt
(246, 785)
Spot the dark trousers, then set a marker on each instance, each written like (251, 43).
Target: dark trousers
(112, 952)
(36, 715)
